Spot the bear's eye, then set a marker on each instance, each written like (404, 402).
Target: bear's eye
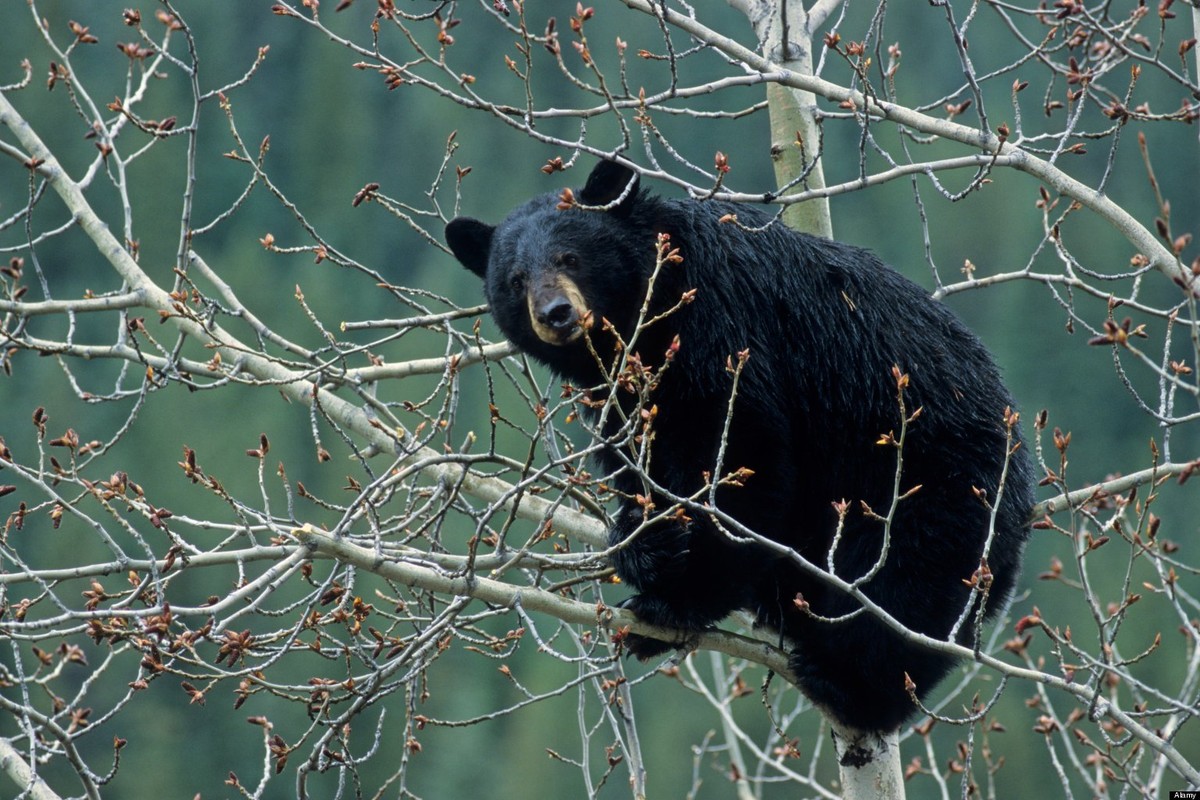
(569, 260)
(517, 283)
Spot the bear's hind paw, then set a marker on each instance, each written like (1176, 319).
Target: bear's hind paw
(655, 612)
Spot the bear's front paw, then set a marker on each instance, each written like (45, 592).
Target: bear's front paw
(655, 611)
(651, 557)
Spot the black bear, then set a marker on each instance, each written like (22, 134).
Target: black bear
(809, 448)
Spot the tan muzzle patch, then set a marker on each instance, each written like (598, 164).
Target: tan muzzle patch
(568, 290)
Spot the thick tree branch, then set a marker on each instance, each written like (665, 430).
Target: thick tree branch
(16, 768)
(1072, 499)
(498, 593)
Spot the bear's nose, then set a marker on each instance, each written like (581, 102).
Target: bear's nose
(558, 313)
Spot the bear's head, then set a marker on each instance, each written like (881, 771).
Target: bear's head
(553, 269)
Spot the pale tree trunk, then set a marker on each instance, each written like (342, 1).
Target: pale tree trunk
(785, 30)
(868, 763)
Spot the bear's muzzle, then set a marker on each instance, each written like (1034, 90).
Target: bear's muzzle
(557, 310)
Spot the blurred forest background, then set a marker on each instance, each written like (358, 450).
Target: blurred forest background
(333, 129)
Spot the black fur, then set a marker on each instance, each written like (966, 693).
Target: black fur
(824, 323)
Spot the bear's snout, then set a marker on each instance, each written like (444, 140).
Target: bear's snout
(556, 310)
(558, 314)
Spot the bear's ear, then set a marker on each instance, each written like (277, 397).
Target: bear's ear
(608, 182)
(471, 241)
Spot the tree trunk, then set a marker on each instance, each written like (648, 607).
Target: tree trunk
(795, 132)
(869, 764)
